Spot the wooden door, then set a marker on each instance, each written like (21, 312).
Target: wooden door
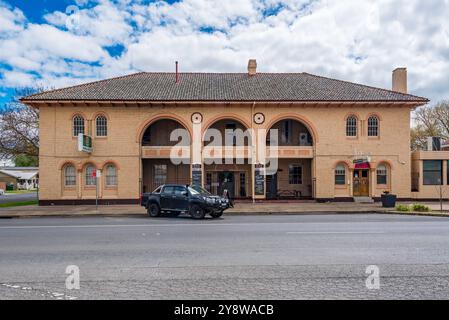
(361, 183)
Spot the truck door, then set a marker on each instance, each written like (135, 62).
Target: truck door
(167, 197)
(181, 199)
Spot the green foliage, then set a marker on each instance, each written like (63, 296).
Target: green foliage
(402, 208)
(23, 160)
(420, 208)
(18, 204)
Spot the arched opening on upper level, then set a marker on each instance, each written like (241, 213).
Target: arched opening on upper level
(229, 132)
(165, 132)
(290, 133)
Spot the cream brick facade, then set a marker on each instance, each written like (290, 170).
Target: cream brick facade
(127, 122)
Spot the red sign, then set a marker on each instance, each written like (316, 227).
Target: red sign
(94, 173)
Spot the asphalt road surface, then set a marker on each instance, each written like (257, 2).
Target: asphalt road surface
(7, 198)
(239, 257)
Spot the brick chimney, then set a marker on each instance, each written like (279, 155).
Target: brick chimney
(400, 80)
(252, 66)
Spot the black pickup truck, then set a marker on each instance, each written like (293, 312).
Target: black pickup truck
(175, 198)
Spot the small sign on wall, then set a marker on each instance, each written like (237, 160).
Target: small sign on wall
(196, 174)
(84, 143)
(259, 180)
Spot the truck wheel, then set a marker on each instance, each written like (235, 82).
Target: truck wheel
(153, 210)
(216, 215)
(197, 212)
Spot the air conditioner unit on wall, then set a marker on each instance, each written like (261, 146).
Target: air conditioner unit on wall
(303, 139)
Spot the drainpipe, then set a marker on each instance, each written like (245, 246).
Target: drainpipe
(253, 153)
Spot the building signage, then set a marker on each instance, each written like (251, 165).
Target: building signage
(196, 174)
(84, 143)
(259, 180)
(362, 160)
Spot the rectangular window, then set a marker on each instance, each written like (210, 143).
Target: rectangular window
(447, 173)
(70, 176)
(340, 176)
(242, 184)
(432, 172)
(381, 179)
(381, 175)
(160, 174)
(295, 174)
(90, 179)
(111, 176)
(209, 182)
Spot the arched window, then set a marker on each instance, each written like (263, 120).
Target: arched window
(351, 126)
(340, 175)
(102, 126)
(382, 174)
(373, 126)
(90, 179)
(111, 175)
(69, 176)
(78, 125)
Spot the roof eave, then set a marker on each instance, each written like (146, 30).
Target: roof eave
(33, 102)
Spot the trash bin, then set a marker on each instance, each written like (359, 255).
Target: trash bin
(388, 200)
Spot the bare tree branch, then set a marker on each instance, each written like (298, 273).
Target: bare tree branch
(430, 121)
(19, 127)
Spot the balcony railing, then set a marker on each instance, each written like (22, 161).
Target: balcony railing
(218, 152)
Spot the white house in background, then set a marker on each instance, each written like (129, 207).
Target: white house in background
(22, 178)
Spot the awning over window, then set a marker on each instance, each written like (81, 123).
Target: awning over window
(364, 165)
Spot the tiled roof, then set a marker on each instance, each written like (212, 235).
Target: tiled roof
(223, 87)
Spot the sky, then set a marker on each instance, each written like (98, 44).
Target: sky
(57, 43)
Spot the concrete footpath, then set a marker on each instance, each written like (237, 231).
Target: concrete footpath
(239, 209)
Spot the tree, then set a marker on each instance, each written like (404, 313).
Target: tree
(430, 121)
(19, 128)
(23, 160)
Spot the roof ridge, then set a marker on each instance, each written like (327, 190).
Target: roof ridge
(366, 86)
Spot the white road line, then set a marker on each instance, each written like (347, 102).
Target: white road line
(334, 232)
(182, 225)
(139, 225)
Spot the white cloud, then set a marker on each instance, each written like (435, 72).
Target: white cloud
(17, 79)
(355, 40)
(11, 20)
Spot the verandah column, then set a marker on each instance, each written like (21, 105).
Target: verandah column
(196, 161)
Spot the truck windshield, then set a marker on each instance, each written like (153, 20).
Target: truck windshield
(201, 190)
(193, 191)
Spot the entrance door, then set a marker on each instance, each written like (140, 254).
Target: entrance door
(226, 181)
(361, 183)
(272, 186)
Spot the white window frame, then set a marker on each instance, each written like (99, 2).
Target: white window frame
(78, 125)
(72, 181)
(352, 126)
(373, 126)
(111, 177)
(90, 181)
(340, 170)
(101, 126)
(300, 177)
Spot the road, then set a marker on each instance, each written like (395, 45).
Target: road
(238, 257)
(7, 198)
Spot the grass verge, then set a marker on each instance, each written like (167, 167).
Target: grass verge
(20, 191)
(18, 204)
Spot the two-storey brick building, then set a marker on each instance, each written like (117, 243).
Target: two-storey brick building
(335, 140)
